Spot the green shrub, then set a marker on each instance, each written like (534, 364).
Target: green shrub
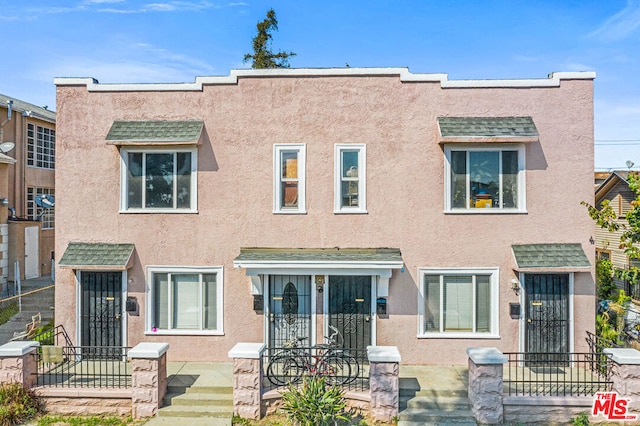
(17, 405)
(314, 403)
(604, 279)
(581, 420)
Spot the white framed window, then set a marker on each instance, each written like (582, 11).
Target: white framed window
(350, 179)
(41, 147)
(289, 178)
(458, 303)
(158, 180)
(485, 179)
(33, 211)
(185, 300)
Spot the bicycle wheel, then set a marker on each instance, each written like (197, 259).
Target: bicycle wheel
(354, 365)
(336, 369)
(283, 369)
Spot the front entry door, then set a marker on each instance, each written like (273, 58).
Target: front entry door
(289, 309)
(547, 313)
(31, 252)
(350, 309)
(101, 308)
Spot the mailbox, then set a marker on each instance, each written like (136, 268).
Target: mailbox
(514, 310)
(131, 305)
(381, 306)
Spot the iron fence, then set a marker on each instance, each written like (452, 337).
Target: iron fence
(346, 368)
(83, 366)
(556, 374)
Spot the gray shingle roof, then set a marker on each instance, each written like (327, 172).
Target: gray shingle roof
(155, 131)
(97, 255)
(487, 127)
(296, 255)
(550, 256)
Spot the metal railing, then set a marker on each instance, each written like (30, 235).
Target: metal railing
(53, 336)
(83, 366)
(346, 368)
(556, 374)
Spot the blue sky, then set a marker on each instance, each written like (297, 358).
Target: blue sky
(157, 41)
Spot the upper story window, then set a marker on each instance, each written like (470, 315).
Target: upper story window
(458, 303)
(289, 179)
(350, 179)
(41, 147)
(33, 211)
(158, 180)
(486, 179)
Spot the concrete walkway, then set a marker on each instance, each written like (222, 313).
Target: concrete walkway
(40, 302)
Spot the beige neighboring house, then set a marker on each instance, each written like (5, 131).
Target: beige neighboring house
(404, 209)
(615, 188)
(30, 229)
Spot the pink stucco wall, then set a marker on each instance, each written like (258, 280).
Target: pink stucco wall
(405, 192)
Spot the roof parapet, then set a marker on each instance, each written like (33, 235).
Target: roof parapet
(553, 79)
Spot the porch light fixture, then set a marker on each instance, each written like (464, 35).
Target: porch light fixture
(515, 285)
(4, 201)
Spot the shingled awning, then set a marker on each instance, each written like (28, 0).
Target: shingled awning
(319, 262)
(97, 256)
(181, 132)
(550, 258)
(487, 129)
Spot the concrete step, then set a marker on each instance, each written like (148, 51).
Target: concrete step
(425, 417)
(191, 411)
(434, 393)
(191, 421)
(437, 403)
(200, 389)
(193, 399)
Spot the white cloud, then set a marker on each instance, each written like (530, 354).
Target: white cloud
(621, 25)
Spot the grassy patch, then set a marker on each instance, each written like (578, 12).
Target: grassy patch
(86, 421)
(7, 310)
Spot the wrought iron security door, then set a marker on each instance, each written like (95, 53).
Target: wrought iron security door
(101, 308)
(289, 309)
(547, 316)
(350, 309)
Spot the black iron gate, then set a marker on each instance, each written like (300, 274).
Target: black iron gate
(546, 316)
(289, 309)
(101, 308)
(350, 309)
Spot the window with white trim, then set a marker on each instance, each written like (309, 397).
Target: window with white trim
(458, 303)
(185, 300)
(350, 179)
(158, 180)
(289, 179)
(41, 147)
(47, 215)
(487, 179)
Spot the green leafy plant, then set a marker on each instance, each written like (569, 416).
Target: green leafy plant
(85, 421)
(17, 404)
(604, 278)
(314, 403)
(581, 419)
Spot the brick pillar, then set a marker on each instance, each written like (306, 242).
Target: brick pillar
(18, 363)
(148, 378)
(486, 384)
(384, 382)
(626, 376)
(247, 379)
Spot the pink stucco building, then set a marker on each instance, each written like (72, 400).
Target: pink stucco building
(404, 209)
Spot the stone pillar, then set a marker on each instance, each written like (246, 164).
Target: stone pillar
(486, 384)
(384, 382)
(18, 363)
(148, 378)
(626, 376)
(247, 379)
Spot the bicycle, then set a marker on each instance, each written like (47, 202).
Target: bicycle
(289, 365)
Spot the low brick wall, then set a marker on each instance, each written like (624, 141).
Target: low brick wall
(545, 410)
(86, 401)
